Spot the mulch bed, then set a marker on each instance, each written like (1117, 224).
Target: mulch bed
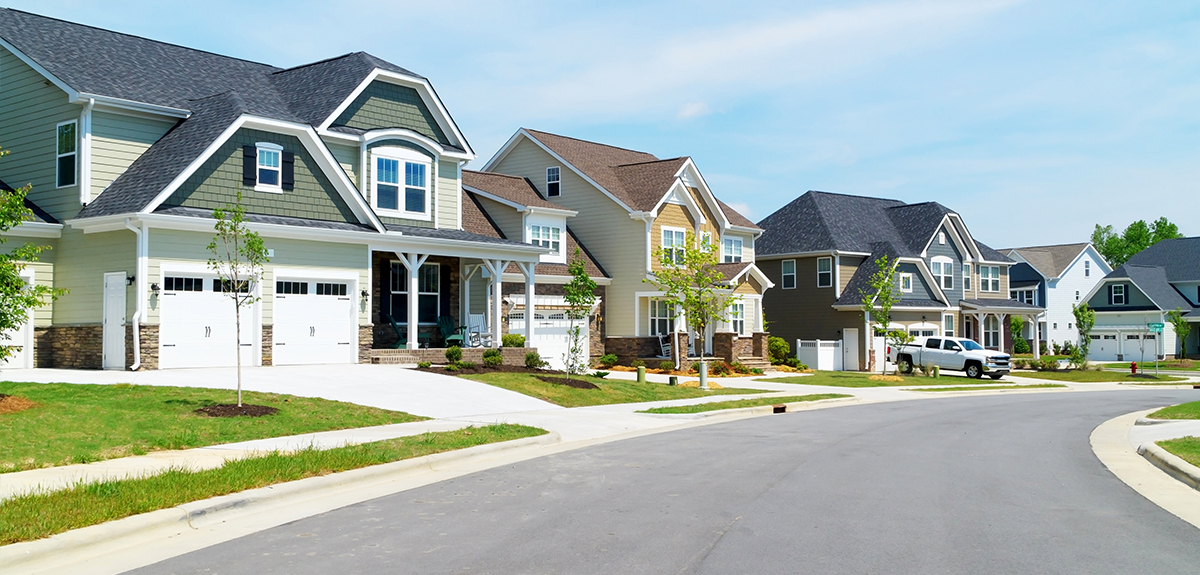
(576, 383)
(232, 410)
(13, 404)
(483, 369)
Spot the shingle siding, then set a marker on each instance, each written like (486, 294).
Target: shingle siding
(384, 105)
(217, 181)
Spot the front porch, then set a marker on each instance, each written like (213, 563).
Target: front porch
(986, 321)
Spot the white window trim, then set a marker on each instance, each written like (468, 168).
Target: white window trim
(737, 314)
(948, 332)
(966, 277)
(268, 188)
(394, 264)
(941, 277)
(663, 230)
(985, 284)
(830, 272)
(909, 278)
(529, 239)
(402, 155)
(1124, 297)
(672, 316)
(558, 181)
(740, 250)
(58, 155)
(942, 238)
(706, 237)
(784, 275)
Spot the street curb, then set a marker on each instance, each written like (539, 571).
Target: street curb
(213, 510)
(791, 407)
(1148, 421)
(1172, 464)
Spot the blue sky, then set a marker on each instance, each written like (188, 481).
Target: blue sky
(1034, 120)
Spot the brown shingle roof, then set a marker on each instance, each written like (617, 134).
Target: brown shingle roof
(644, 184)
(589, 263)
(512, 188)
(732, 270)
(736, 218)
(475, 220)
(1050, 260)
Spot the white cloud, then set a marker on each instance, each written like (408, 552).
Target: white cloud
(694, 110)
(743, 208)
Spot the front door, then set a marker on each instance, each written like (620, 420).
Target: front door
(114, 320)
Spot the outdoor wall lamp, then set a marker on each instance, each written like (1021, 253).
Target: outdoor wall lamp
(364, 294)
(130, 279)
(154, 288)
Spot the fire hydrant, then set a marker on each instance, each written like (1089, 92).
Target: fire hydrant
(1133, 367)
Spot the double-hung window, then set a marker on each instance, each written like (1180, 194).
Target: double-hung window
(1028, 296)
(824, 272)
(991, 332)
(1118, 294)
(66, 136)
(269, 167)
(706, 240)
(943, 270)
(989, 279)
(553, 184)
(673, 244)
(428, 293)
(1087, 268)
(401, 183)
(906, 283)
(662, 317)
(789, 274)
(966, 277)
(547, 237)
(948, 325)
(733, 250)
(737, 317)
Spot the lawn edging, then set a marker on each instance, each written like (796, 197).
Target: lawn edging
(1172, 464)
(758, 410)
(214, 510)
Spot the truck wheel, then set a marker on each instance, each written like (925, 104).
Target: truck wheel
(995, 375)
(974, 371)
(905, 365)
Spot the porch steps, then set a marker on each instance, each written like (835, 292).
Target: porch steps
(758, 362)
(393, 357)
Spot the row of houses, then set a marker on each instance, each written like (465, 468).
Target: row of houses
(381, 243)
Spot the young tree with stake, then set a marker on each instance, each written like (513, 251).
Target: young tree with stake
(881, 294)
(580, 295)
(238, 259)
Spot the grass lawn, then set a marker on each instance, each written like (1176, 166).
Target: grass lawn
(85, 423)
(1093, 376)
(1186, 448)
(981, 387)
(1190, 365)
(610, 391)
(41, 515)
(1181, 411)
(1030, 356)
(852, 379)
(737, 403)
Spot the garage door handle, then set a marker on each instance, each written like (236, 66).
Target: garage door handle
(168, 345)
(343, 343)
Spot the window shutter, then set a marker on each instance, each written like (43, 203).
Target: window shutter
(249, 165)
(288, 179)
(444, 291)
(1110, 296)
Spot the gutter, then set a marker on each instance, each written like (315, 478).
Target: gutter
(85, 152)
(143, 248)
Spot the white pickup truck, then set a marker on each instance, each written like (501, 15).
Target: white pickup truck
(953, 353)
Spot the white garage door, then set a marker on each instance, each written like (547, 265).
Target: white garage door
(197, 324)
(315, 322)
(1134, 346)
(1104, 347)
(550, 336)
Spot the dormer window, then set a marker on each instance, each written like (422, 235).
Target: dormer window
(270, 167)
(547, 237)
(552, 182)
(906, 283)
(400, 186)
(733, 250)
(1118, 294)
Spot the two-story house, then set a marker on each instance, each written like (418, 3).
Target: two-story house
(1056, 278)
(631, 204)
(821, 248)
(349, 168)
(1162, 278)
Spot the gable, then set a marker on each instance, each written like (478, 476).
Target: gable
(921, 288)
(1135, 299)
(386, 105)
(218, 179)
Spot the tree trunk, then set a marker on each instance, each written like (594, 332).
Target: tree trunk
(237, 317)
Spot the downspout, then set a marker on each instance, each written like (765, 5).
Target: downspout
(143, 249)
(85, 153)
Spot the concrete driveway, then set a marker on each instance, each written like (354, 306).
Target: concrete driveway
(384, 386)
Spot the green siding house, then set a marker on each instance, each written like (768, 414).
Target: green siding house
(350, 168)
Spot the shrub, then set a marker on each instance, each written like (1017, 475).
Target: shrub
(454, 354)
(493, 357)
(695, 366)
(607, 360)
(533, 360)
(424, 364)
(739, 368)
(467, 365)
(756, 371)
(1057, 348)
(1043, 349)
(778, 349)
(600, 374)
(452, 367)
(512, 340)
(637, 363)
(793, 363)
(667, 366)
(1047, 364)
(1068, 348)
(720, 368)
(1020, 345)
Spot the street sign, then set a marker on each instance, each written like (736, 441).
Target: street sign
(1155, 327)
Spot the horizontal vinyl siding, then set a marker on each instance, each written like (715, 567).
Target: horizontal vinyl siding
(29, 111)
(507, 218)
(446, 194)
(171, 246)
(846, 268)
(80, 265)
(43, 271)
(616, 241)
(670, 216)
(804, 312)
(118, 140)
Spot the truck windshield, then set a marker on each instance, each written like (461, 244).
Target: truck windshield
(970, 345)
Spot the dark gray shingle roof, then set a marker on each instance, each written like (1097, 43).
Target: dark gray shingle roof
(1153, 281)
(39, 215)
(1180, 259)
(267, 219)
(997, 303)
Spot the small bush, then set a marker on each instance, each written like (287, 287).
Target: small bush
(667, 366)
(695, 367)
(794, 363)
(607, 360)
(720, 368)
(1068, 348)
(493, 357)
(637, 363)
(1020, 345)
(467, 365)
(738, 367)
(778, 349)
(424, 364)
(512, 340)
(452, 367)
(1047, 364)
(756, 371)
(1057, 348)
(533, 360)
(1043, 349)
(600, 374)
(454, 354)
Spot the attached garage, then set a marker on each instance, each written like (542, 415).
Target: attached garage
(198, 326)
(315, 321)
(551, 335)
(1104, 347)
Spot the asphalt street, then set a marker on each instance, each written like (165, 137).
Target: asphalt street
(996, 484)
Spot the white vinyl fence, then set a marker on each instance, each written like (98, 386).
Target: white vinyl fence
(821, 355)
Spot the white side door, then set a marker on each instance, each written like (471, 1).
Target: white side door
(114, 321)
(314, 322)
(850, 357)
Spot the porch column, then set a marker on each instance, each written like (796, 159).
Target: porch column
(979, 328)
(527, 268)
(496, 268)
(467, 272)
(1037, 349)
(413, 262)
(758, 315)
